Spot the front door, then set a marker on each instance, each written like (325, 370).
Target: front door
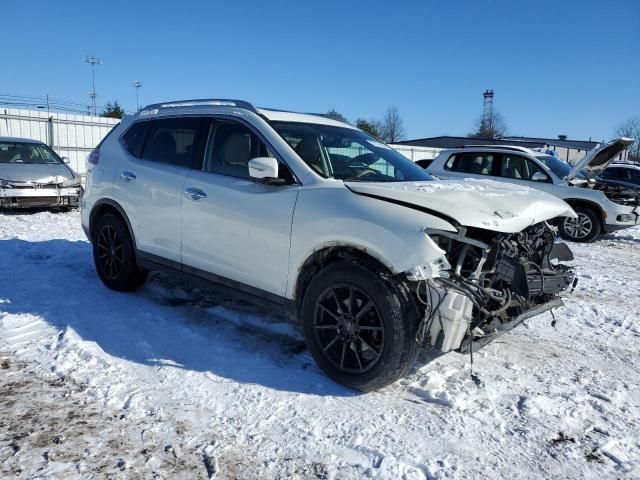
(233, 226)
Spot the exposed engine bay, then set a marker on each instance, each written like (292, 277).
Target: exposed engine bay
(496, 281)
(619, 194)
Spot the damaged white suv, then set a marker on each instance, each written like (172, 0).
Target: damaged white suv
(375, 257)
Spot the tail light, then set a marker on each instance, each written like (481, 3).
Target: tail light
(94, 156)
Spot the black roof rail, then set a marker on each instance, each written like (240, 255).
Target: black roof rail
(203, 102)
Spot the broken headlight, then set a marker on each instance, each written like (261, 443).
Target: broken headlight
(72, 182)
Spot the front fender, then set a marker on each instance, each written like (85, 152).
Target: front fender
(392, 234)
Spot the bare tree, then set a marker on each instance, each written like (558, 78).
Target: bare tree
(631, 129)
(493, 126)
(391, 127)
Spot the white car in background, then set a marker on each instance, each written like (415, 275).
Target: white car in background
(572, 183)
(34, 176)
(372, 255)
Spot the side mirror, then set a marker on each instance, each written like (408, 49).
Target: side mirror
(265, 169)
(65, 159)
(539, 177)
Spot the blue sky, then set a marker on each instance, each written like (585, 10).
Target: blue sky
(570, 67)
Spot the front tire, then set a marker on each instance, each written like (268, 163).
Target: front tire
(114, 255)
(584, 229)
(360, 327)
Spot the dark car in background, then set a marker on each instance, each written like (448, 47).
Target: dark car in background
(32, 175)
(621, 183)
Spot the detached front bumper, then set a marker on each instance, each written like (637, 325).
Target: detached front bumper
(39, 197)
(496, 328)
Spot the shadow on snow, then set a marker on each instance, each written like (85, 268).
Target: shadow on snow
(171, 321)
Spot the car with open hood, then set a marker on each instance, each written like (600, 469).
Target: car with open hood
(372, 255)
(598, 209)
(33, 175)
(620, 182)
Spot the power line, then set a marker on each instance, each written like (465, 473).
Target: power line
(50, 103)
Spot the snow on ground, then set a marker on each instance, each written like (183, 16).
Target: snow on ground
(182, 380)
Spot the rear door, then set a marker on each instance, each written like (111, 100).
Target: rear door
(149, 184)
(470, 165)
(233, 226)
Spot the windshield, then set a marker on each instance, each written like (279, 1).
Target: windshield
(557, 166)
(348, 154)
(17, 152)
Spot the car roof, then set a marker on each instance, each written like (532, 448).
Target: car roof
(213, 105)
(285, 116)
(495, 148)
(19, 140)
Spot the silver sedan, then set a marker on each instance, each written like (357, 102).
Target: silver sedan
(33, 175)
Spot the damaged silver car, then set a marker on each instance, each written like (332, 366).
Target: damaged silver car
(32, 175)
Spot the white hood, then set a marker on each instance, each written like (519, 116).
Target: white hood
(501, 207)
(599, 158)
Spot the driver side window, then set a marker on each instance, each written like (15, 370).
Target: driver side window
(519, 167)
(231, 146)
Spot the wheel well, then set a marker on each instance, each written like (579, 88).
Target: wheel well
(103, 209)
(590, 205)
(326, 256)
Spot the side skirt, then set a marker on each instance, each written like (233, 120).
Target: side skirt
(255, 295)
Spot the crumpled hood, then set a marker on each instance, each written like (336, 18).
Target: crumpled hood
(35, 173)
(486, 204)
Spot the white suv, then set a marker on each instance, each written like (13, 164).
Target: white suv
(575, 184)
(373, 255)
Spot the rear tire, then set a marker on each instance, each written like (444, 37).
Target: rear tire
(584, 229)
(114, 255)
(360, 327)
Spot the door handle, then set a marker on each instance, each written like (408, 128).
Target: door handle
(194, 194)
(128, 176)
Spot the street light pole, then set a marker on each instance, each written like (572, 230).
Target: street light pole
(137, 84)
(93, 61)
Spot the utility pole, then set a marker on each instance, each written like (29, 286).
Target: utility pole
(93, 61)
(137, 84)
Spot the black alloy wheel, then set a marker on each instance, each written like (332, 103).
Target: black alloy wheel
(110, 252)
(114, 254)
(348, 328)
(360, 324)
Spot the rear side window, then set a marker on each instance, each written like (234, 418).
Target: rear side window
(615, 174)
(475, 163)
(176, 141)
(134, 138)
